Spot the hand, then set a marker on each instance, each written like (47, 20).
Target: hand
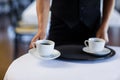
(102, 33)
(39, 35)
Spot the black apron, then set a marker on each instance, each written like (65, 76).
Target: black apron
(73, 21)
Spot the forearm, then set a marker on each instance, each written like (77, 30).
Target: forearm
(107, 10)
(42, 8)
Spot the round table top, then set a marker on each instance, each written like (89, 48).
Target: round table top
(28, 67)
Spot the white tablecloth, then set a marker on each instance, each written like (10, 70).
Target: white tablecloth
(28, 67)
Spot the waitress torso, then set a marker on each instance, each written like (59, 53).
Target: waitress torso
(73, 21)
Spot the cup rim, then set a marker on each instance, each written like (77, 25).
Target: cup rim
(101, 40)
(48, 41)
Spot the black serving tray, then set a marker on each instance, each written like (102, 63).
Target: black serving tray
(75, 52)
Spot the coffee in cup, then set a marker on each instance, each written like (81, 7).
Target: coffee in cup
(44, 47)
(95, 44)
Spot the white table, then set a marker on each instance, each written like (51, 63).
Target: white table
(28, 67)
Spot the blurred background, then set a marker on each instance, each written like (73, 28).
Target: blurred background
(18, 24)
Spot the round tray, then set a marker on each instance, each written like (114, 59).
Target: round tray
(75, 52)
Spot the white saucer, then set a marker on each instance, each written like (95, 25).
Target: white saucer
(103, 52)
(54, 55)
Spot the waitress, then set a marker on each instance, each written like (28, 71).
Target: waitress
(73, 21)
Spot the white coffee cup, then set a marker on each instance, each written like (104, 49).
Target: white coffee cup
(44, 47)
(95, 44)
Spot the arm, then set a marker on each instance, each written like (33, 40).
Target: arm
(42, 8)
(108, 6)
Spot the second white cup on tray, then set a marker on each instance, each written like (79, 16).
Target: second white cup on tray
(95, 44)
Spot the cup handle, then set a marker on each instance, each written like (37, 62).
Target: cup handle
(34, 45)
(86, 43)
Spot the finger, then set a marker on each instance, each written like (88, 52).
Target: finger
(33, 40)
(106, 39)
(30, 47)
